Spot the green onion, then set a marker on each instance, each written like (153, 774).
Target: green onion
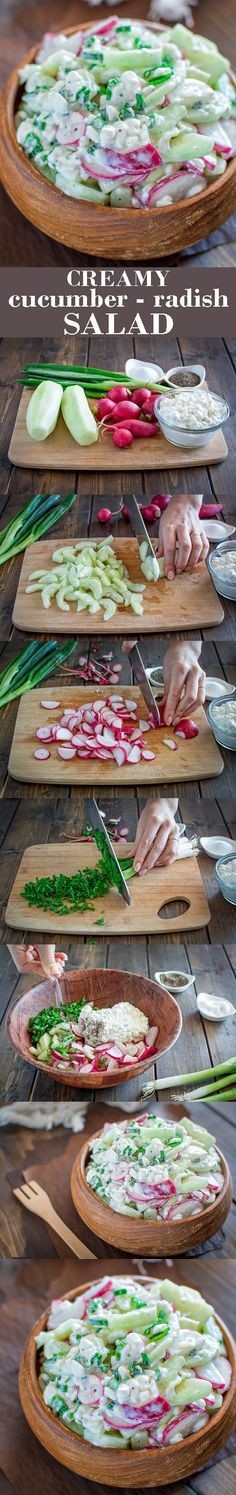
(214, 1087)
(38, 516)
(215, 1074)
(29, 668)
(94, 381)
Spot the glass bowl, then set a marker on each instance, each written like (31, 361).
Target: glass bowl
(227, 884)
(223, 585)
(224, 733)
(181, 435)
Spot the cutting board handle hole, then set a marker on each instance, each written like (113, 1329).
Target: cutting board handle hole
(173, 908)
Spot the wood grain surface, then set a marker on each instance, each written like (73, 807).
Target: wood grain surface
(20, 242)
(168, 885)
(61, 452)
(49, 1157)
(198, 757)
(190, 602)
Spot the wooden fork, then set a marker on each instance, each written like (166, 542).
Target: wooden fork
(35, 1199)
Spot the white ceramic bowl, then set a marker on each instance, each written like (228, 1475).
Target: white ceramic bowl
(180, 436)
(167, 986)
(193, 368)
(215, 688)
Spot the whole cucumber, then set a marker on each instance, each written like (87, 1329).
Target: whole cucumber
(78, 416)
(43, 409)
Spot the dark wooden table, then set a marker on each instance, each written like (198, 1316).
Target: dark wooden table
(200, 1044)
(26, 1289)
(22, 27)
(48, 1157)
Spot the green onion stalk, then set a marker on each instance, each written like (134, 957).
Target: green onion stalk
(34, 520)
(37, 661)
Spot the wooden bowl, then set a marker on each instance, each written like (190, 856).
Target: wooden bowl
(122, 233)
(105, 988)
(145, 1237)
(130, 1468)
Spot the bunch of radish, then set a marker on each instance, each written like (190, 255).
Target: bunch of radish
(107, 730)
(129, 414)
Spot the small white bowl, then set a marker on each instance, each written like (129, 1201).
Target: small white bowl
(204, 1001)
(140, 368)
(214, 688)
(217, 846)
(193, 368)
(181, 436)
(189, 980)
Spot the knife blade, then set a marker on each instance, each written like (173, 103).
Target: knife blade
(138, 525)
(142, 680)
(96, 819)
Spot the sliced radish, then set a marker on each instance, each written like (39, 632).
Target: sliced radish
(63, 734)
(44, 734)
(66, 752)
(50, 705)
(147, 755)
(42, 753)
(168, 742)
(134, 754)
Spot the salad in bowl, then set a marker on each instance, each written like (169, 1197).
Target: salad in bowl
(133, 1364)
(122, 115)
(155, 1169)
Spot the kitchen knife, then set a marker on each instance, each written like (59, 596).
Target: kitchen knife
(138, 525)
(96, 820)
(142, 680)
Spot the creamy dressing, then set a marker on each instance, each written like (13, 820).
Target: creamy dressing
(120, 115)
(133, 1364)
(193, 410)
(155, 1169)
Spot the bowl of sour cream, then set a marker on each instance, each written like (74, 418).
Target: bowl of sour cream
(222, 567)
(222, 718)
(191, 416)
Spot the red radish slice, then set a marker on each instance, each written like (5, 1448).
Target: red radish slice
(168, 742)
(134, 754)
(63, 734)
(147, 755)
(50, 705)
(66, 752)
(187, 727)
(44, 734)
(42, 753)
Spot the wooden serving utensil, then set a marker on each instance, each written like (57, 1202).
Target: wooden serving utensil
(35, 1199)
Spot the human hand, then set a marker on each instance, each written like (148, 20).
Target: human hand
(157, 835)
(38, 960)
(180, 526)
(184, 681)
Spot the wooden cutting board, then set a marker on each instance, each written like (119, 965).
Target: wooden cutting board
(197, 758)
(190, 601)
(61, 451)
(148, 895)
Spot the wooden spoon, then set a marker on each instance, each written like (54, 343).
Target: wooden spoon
(35, 1199)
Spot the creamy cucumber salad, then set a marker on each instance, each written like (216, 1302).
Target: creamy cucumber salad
(133, 1364)
(123, 115)
(159, 1170)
